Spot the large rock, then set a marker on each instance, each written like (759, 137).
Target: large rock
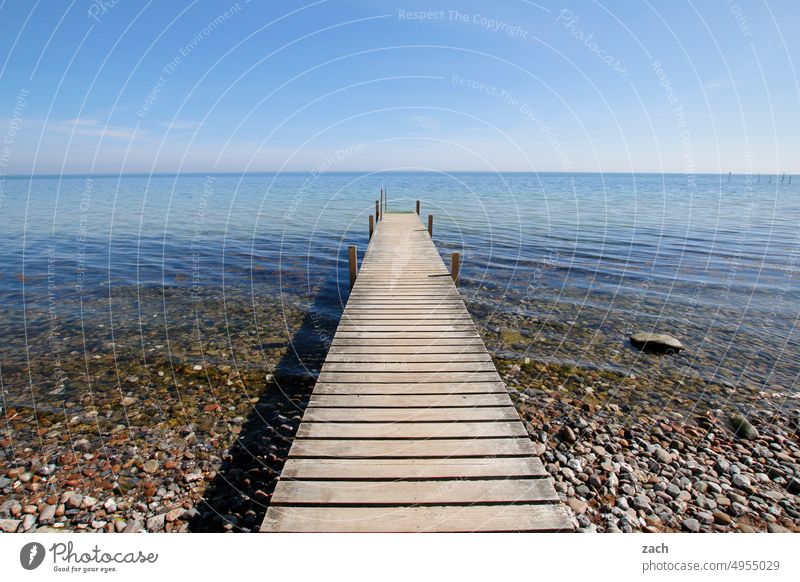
(743, 428)
(659, 343)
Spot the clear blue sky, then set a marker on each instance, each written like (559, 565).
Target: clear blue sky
(105, 86)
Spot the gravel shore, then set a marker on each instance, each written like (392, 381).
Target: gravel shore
(660, 472)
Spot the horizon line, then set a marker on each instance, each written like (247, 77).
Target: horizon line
(376, 172)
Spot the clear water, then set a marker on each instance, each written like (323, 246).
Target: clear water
(573, 262)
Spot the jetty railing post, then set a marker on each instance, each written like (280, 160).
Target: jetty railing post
(430, 224)
(371, 226)
(417, 207)
(455, 266)
(352, 256)
(377, 211)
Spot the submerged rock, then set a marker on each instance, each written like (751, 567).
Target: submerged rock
(660, 343)
(743, 428)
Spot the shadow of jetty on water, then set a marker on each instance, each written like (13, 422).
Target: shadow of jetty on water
(238, 496)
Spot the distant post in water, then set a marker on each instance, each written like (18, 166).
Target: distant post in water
(417, 207)
(455, 266)
(385, 200)
(430, 224)
(371, 226)
(351, 251)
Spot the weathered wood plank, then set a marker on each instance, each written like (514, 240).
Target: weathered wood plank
(422, 367)
(406, 358)
(431, 342)
(451, 415)
(457, 491)
(393, 449)
(411, 388)
(412, 400)
(489, 376)
(478, 518)
(410, 430)
(354, 469)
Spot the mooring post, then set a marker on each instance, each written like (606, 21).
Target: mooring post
(385, 200)
(351, 251)
(430, 225)
(455, 266)
(417, 207)
(371, 226)
(377, 211)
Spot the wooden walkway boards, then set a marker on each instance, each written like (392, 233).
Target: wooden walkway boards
(409, 427)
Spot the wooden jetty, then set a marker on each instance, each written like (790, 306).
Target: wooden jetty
(409, 427)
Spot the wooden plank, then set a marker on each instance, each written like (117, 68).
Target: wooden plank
(451, 415)
(404, 401)
(457, 491)
(408, 335)
(431, 342)
(406, 358)
(412, 388)
(404, 448)
(478, 518)
(410, 350)
(371, 377)
(355, 469)
(422, 367)
(410, 430)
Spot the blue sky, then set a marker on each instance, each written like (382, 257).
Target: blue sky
(124, 86)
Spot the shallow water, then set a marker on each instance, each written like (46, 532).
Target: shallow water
(559, 268)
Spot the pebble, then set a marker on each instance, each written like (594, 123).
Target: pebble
(28, 522)
(577, 505)
(567, 434)
(721, 518)
(741, 481)
(691, 525)
(662, 456)
(9, 525)
(150, 466)
(133, 526)
(48, 514)
(156, 523)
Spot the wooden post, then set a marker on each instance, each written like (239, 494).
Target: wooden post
(417, 207)
(351, 251)
(371, 226)
(455, 266)
(430, 225)
(377, 211)
(385, 200)
(383, 209)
